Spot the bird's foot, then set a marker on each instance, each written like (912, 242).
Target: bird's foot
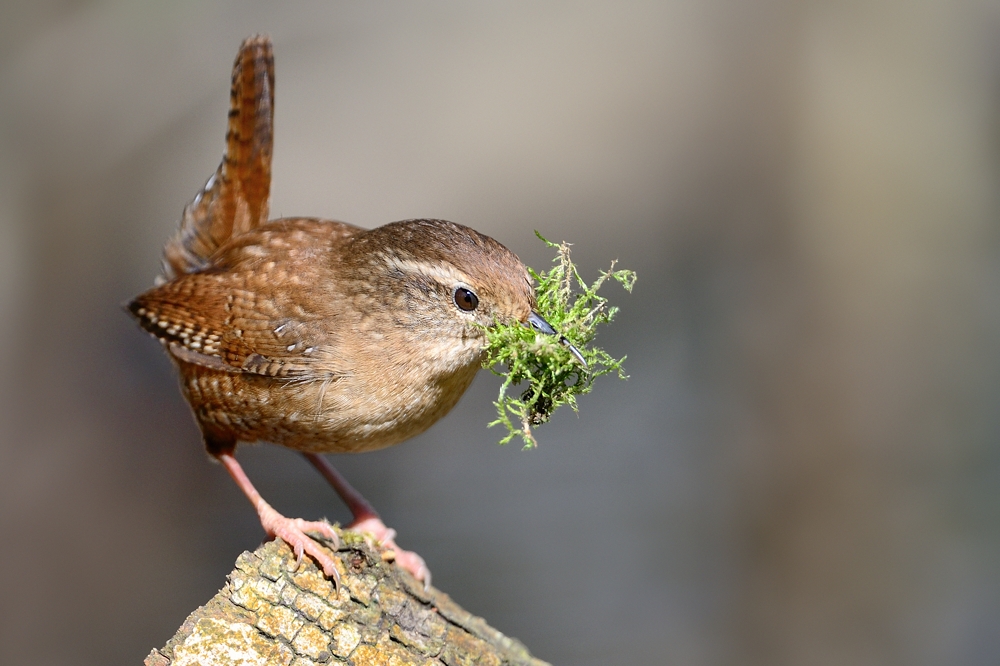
(293, 532)
(385, 539)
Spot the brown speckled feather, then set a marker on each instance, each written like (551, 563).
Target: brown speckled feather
(229, 319)
(235, 198)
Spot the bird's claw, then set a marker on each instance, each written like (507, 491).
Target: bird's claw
(293, 532)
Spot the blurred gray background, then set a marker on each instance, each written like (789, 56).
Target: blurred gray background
(804, 466)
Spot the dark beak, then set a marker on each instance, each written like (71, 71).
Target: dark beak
(536, 322)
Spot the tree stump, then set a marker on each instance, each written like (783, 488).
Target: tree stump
(269, 612)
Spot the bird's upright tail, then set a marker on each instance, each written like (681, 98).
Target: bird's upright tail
(235, 198)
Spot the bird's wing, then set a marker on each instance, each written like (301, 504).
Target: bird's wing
(221, 321)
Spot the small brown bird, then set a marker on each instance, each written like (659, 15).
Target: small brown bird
(314, 334)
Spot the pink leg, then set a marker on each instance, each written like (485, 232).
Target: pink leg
(367, 521)
(291, 530)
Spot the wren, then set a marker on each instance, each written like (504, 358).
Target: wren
(314, 334)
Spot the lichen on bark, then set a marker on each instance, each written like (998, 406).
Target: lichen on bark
(271, 613)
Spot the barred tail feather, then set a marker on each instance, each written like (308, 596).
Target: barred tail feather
(235, 199)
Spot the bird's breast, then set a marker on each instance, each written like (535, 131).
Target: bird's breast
(375, 402)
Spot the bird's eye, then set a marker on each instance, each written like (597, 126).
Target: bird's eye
(465, 299)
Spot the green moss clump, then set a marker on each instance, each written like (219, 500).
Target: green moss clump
(554, 374)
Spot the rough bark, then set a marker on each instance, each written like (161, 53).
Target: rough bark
(270, 613)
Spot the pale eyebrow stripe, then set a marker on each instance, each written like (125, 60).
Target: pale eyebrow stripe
(439, 272)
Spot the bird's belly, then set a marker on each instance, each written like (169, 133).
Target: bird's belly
(339, 415)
